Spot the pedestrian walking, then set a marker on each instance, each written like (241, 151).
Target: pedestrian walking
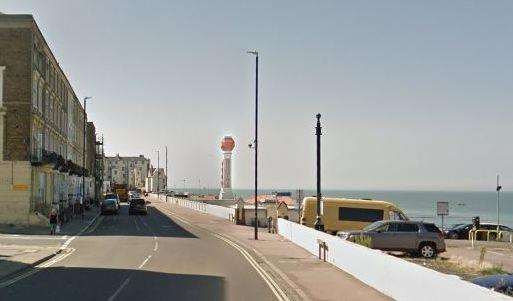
(53, 221)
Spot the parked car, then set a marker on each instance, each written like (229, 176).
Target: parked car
(110, 206)
(500, 283)
(112, 196)
(137, 206)
(461, 231)
(458, 231)
(406, 236)
(342, 214)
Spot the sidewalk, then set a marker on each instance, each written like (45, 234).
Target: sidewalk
(21, 251)
(300, 274)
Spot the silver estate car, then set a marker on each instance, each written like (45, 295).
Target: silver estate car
(406, 236)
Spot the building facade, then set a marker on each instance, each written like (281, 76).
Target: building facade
(130, 171)
(42, 129)
(156, 180)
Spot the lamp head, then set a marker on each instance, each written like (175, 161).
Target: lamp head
(253, 52)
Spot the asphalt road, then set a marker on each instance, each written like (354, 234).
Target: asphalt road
(151, 257)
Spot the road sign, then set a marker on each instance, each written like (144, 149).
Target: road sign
(442, 208)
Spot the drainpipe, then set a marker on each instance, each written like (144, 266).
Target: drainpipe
(2, 113)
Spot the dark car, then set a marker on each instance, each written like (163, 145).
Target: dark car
(110, 206)
(458, 231)
(500, 283)
(406, 236)
(137, 206)
(462, 231)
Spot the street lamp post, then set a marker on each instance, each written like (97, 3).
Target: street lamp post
(318, 221)
(255, 53)
(84, 155)
(158, 175)
(498, 203)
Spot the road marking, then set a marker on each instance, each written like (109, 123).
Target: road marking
(136, 225)
(37, 269)
(277, 291)
(64, 248)
(120, 288)
(32, 237)
(156, 247)
(96, 224)
(144, 262)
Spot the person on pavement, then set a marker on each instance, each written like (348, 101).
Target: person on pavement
(53, 221)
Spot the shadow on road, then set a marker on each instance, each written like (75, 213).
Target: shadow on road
(155, 223)
(61, 283)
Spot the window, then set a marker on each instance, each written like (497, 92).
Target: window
(406, 227)
(396, 216)
(34, 91)
(359, 214)
(432, 228)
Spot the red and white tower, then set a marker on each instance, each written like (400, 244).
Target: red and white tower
(227, 146)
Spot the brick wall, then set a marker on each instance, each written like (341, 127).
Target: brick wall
(15, 49)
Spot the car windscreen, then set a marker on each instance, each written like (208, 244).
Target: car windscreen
(110, 201)
(373, 226)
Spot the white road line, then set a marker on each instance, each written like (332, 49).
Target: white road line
(136, 225)
(277, 291)
(120, 288)
(46, 264)
(36, 269)
(156, 247)
(144, 262)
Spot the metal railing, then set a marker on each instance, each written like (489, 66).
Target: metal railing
(506, 236)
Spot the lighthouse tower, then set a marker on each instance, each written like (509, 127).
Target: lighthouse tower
(227, 146)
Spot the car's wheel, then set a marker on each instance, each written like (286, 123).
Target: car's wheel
(427, 250)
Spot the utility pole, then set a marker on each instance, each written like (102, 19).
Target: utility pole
(498, 203)
(158, 174)
(318, 221)
(167, 175)
(255, 53)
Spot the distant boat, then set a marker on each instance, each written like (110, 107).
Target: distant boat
(461, 204)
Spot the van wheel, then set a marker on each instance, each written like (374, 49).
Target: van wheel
(427, 250)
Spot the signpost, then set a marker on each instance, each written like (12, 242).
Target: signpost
(442, 209)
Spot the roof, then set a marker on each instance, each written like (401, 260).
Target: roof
(268, 198)
(353, 201)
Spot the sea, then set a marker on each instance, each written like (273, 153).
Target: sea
(418, 205)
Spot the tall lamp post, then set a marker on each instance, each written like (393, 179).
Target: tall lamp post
(167, 176)
(498, 207)
(158, 174)
(255, 53)
(84, 155)
(318, 221)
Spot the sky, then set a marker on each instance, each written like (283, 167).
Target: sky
(414, 95)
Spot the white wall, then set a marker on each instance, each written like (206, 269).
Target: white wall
(219, 211)
(395, 277)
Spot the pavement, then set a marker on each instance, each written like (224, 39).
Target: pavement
(19, 252)
(301, 275)
(498, 254)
